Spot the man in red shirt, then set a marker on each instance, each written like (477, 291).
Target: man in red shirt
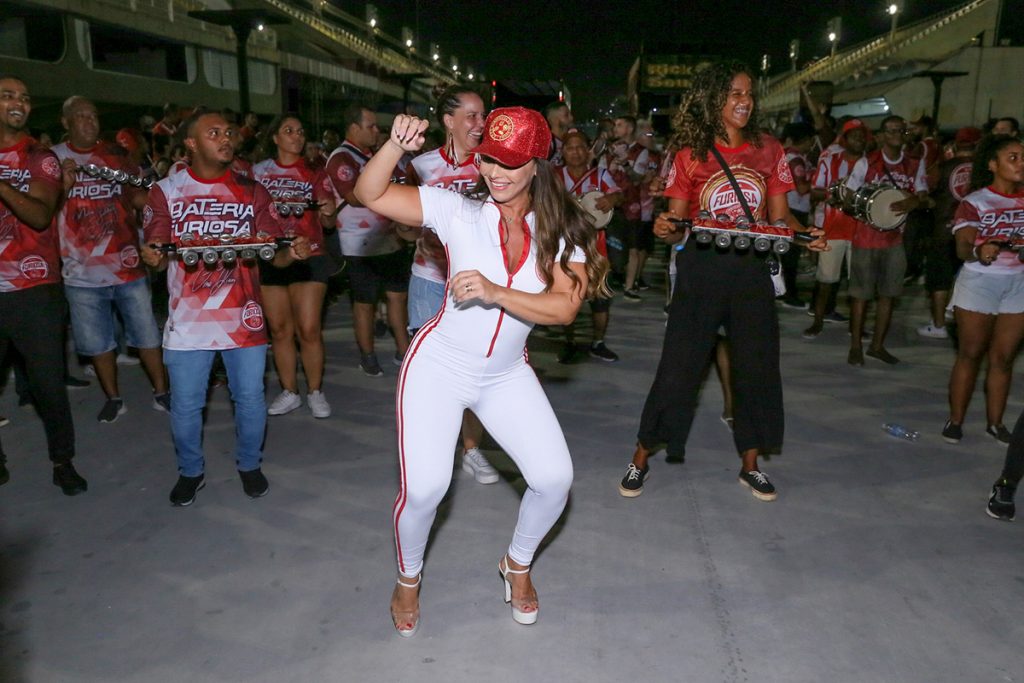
(102, 269)
(878, 261)
(32, 306)
(839, 227)
(214, 308)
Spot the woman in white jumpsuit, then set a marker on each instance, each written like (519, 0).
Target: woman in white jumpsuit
(520, 253)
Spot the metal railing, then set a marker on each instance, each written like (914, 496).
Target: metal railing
(870, 52)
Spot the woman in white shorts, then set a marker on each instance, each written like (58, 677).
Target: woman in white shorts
(988, 297)
(522, 252)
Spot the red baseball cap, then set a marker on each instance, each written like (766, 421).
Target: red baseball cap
(514, 135)
(968, 135)
(853, 124)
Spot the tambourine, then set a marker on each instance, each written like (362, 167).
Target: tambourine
(589, 204)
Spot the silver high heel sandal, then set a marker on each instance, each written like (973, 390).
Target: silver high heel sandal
(518, 615)
(402, 618)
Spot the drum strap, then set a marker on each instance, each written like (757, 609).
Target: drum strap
(735, 185)
(582, 180)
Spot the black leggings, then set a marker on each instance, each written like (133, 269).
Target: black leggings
(715, 289)
(32, 321)
(1013, 468)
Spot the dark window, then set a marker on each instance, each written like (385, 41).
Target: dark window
(128, 52)
(30, 34)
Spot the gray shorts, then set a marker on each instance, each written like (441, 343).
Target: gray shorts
(877, 272)
(991, 293)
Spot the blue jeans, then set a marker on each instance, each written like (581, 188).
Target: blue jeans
(425, 299)
(93, 322)
(190, 377)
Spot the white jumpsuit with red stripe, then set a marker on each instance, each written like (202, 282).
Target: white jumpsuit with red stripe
(474, 356)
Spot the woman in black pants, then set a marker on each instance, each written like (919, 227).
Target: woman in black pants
(715, 288)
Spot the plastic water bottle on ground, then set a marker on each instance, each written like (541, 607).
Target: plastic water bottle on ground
(899, 431)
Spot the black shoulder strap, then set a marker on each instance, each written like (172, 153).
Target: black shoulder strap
(732, 181)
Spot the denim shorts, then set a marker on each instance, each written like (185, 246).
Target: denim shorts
(92, 316)
(991, 293)
(425, 299)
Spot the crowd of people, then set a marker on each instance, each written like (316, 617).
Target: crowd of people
(458, 236)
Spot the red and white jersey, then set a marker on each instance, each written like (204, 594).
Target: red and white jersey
(997, 217)
(905, 173)
(298, 183)
(761, 172)
(636, 160)
(99, 238)
(819, 208)
(238, 165)
(833, 166)
(362, 232)
(436, 169)
(593, 179)
(646, 198)
(800, 169)
(27, 257)
(219, 307)
(598, 179)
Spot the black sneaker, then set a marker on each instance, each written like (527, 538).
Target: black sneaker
(254, 483)
(111, 410)
(72, 382)
(5, 476)
(642, 285)
(1000, 503)
(600, 351)
(69, 481)
(758, 484)
(568, 354)
(184, 492)
(632, 485)
(162, 402)
(631, 295)
(998, 432)
(380, 329)
(369, 365)
(952, 433)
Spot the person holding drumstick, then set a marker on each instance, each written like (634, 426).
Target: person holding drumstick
(581, 178)
(878, 260)
(522, 252)
(988, 297)
(715, 288)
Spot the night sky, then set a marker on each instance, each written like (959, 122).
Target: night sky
(591, 45)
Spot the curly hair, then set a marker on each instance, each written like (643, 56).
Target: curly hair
(988, 149)
(699, 120)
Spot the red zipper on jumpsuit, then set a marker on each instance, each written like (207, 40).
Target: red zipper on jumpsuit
(504, 261)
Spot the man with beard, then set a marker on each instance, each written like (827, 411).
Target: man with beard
(216, 307)
(101, 265)
(32, 305)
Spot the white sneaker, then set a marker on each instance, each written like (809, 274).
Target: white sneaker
(318, 405)
(474, 462)
(285, 403)
(89, 370)
(933, 332)
(125, 359)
